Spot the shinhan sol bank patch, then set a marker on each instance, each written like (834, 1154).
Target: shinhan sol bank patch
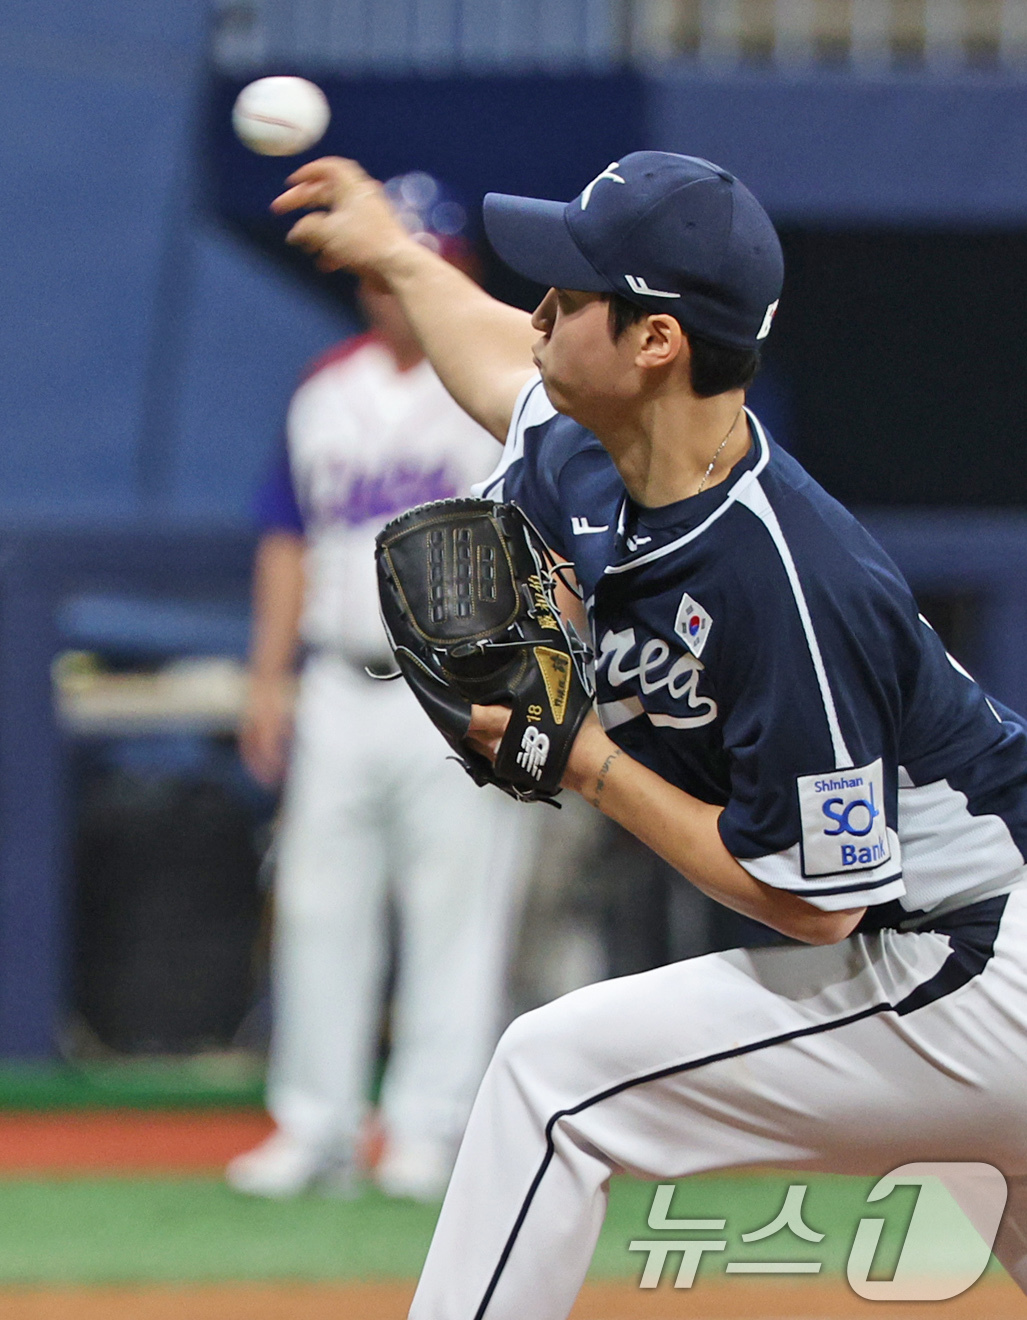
(843, 820)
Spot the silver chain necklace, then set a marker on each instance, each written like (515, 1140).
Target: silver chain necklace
(717, 453)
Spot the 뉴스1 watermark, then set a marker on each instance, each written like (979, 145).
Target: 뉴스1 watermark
(945, 1249)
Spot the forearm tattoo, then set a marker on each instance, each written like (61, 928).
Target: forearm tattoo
(602, 776)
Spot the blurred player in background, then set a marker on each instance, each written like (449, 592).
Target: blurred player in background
(373, 813)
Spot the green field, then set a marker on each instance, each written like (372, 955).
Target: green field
(112, 1230)
(207, 1081)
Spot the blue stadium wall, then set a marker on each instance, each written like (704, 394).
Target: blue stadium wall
(149, 344)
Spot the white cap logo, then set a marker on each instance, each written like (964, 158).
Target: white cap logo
(768, 319)
(608, 173)
(637, 284)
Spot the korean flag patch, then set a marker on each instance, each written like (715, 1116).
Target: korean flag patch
(692, 624)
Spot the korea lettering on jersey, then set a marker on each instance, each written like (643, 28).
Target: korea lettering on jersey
(729, 663)
(647, 667)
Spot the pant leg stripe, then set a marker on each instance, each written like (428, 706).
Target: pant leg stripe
(973, 946)
(641, 1081)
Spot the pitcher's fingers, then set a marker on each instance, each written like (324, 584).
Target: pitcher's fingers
(313, 184)
(488, 722)
(308, 231)
(329, 167)
(321, 182)
(327, 265)
(314, 193)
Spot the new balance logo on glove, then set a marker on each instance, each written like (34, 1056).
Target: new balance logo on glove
(534, 751)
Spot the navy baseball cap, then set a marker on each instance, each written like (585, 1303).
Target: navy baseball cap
(670, 233)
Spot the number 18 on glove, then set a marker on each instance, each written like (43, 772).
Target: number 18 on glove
(467, 598)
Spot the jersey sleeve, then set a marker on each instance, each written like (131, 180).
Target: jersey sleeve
(275, 506)
(808, 680)
(526, 474)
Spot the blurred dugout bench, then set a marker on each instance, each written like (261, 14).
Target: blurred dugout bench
(187, 590)
(170, 592)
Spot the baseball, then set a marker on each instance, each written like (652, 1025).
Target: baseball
(280, 116)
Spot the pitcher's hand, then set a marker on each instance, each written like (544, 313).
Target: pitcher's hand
(488, 724)
(350, 223)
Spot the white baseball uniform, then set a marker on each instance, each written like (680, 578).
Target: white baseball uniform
(374, 814)
(755, 647)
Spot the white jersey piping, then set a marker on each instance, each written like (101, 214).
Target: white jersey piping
(754, 498)
(514, 447)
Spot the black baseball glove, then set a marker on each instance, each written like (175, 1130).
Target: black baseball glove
(467, 597)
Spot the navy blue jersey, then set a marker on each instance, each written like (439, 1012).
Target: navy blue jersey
(757, 648)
